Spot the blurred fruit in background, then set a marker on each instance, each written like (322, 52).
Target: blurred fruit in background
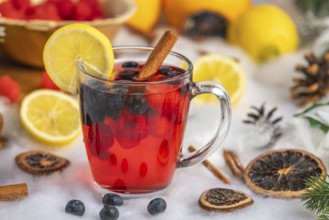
(264, 31)
(178, 11)
(55, 10)
(24, 38)
(146, 16)
(9, 88)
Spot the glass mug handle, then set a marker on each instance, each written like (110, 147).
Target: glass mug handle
(224, 123)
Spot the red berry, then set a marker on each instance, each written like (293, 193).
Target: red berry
(159, 125)
(100, 138)
(20, 4)
(46, 82)
(66, 10)
(9, 88)
(44, 12)
(82, 12)
(8, 10)
(163, 98)
(132, 127)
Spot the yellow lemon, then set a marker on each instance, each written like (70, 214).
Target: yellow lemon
(75, 43)
(146, 16)
(264, 31)
(224, 70)
(51, 117)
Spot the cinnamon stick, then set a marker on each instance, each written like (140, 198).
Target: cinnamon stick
(234, 163)
(13, 192)
(158, 55)
(212, 168)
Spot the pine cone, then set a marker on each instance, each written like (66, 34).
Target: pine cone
(314, 82)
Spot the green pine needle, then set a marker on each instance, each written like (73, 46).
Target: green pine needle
(324, 216)
(316, 196)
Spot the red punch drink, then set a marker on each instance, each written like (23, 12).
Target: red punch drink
(133, 128)
(133, 132)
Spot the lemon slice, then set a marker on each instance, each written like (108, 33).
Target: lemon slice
(75, 43)
(51, 117)
(224, 70)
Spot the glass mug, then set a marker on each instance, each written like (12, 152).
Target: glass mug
(133, 130)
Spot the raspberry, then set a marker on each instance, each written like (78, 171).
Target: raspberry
(82, 11)
(46, 82)
(134, 126)
(101, 138)
(20, 4)
(45, 12)
(65, 9)
(163, 98)
(159, 126)
(8, 10)
(9, 88)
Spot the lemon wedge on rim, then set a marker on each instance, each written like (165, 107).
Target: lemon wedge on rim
(75, 43)
(224, 70)
(51, 117)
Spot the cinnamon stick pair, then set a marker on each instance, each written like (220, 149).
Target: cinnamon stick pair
(234, 164)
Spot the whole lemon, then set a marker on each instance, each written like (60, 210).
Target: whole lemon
(264, 31)
(177, 11)
(146, 16)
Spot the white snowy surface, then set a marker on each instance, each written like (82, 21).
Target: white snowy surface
(268, 83)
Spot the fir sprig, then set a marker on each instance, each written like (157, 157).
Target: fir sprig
(316, 196)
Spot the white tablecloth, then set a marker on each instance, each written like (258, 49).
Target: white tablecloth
(48, 195)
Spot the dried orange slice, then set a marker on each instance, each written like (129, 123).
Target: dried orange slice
(282, 173)
(224, 200)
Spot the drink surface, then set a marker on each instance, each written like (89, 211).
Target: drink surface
(132, 133)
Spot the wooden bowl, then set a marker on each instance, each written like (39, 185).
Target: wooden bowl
(24, 40)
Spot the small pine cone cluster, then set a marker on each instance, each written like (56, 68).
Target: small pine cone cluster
(313, 83)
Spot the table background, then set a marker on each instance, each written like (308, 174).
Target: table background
(48, 195)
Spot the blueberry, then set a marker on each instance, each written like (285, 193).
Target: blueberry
(127, 75)
(167, 71)
(109, 213)
(92, 101)
(75, 207)
(129, 65)
(137, 104)
(164, 70)
(112, 199)
(116, 102)
(157, 206)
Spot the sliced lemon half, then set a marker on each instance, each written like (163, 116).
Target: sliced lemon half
(224, 70)
(51, 117)
(75, 43)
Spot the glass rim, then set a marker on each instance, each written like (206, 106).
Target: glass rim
(145, 48)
